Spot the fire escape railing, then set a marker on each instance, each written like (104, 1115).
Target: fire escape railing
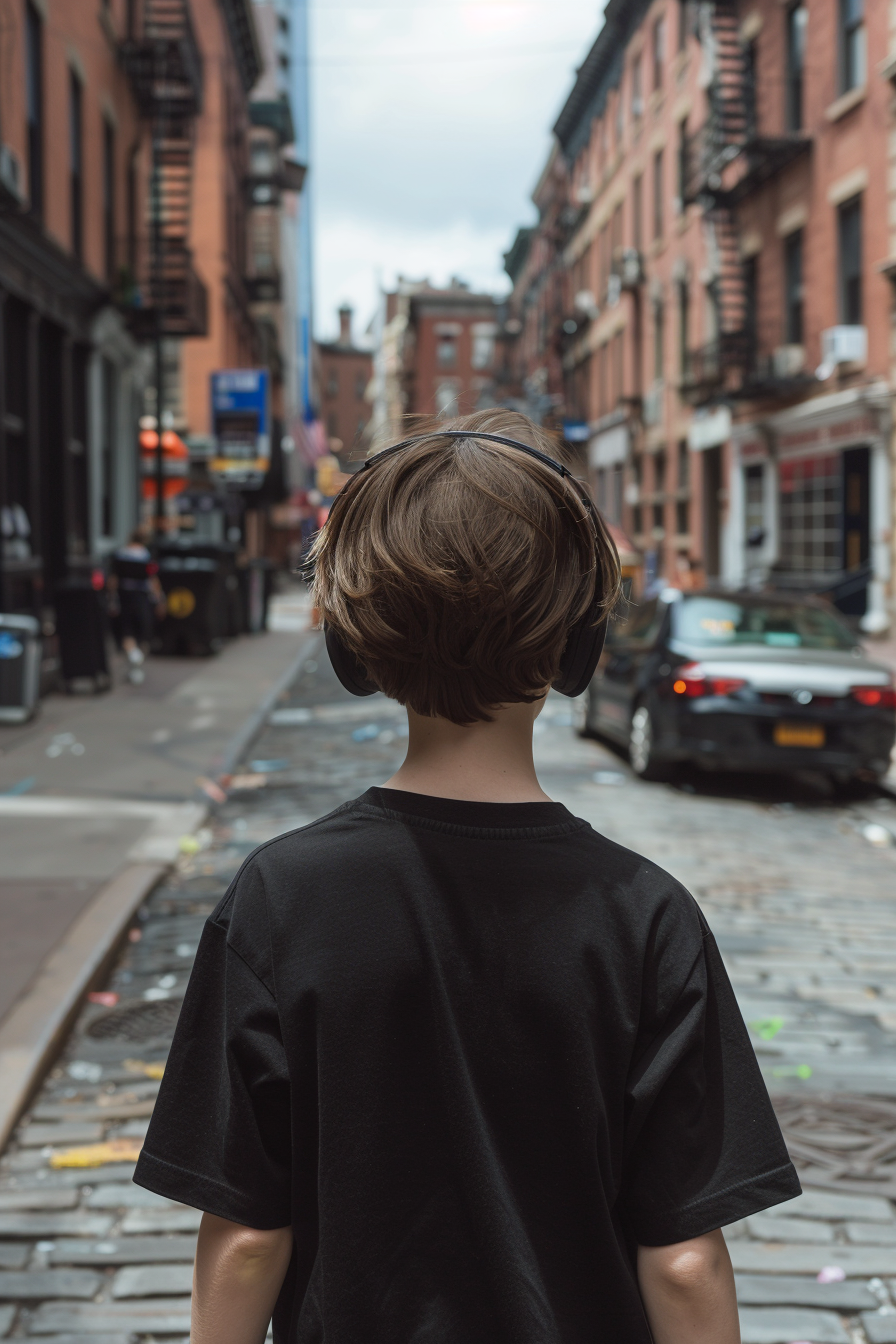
(156, 283)
(725, 161)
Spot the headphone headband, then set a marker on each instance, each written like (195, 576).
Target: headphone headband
(473, 434)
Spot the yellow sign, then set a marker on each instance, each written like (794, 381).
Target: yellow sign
(181, 603)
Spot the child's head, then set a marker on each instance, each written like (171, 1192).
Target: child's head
(455, 568)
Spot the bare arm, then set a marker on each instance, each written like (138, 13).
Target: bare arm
(236, 1279)
(688, 1291)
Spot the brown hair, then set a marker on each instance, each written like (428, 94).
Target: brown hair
(455, 568)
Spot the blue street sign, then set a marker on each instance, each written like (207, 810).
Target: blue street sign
(241, 426)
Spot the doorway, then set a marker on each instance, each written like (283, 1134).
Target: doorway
(712, 523)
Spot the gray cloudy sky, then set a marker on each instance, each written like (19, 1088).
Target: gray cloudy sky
(431, 122)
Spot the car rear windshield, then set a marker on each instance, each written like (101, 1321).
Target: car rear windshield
(716, 621)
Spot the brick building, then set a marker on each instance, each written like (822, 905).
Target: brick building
(344, 371)
(72, 185)
(728, 337)
(533, 339)
(436, 353)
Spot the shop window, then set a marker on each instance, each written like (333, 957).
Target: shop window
(850, 261)
(811, 504)
(852, 44)
(797, 18)
(793, 285)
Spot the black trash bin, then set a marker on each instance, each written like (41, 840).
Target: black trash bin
(20, 653)
(82, 625)
(198, 618)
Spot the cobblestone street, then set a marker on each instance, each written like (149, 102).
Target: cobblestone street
(799, 889)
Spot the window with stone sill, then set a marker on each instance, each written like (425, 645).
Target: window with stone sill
(852, 49)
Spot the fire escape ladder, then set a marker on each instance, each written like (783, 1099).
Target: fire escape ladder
(163, 62)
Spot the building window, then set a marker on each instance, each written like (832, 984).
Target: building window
(446, 352)
(793, 282)
(850, 231)
(684, 326)
(638, 212)
(360, 387)
(109, 200)
(797, 25)
(333, 383)
(483, 353)
(754, 504)
(682, 162)
(34, 108)
(751, 300)
(659, 51)
(637, 89)
(659, 339)
(76, 163)
(659, 472)
(683, 474)
(447, 395)
(618, 369)
(620, 121)
(684, 20)
(658, 194)
(682, 517)
(852, 44)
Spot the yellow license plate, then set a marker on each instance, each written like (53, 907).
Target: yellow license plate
(799, 735)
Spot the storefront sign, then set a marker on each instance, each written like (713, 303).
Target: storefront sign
(241, 426)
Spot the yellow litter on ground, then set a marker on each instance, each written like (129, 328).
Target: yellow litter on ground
(98, 1154)
(141, 1066)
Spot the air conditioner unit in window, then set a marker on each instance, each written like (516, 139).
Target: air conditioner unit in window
(10, 173)
(844, 345)
(652, 405)
(788, 361)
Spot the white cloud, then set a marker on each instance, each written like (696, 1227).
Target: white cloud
(431, 123)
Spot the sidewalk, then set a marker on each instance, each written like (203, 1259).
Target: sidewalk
(96, 794)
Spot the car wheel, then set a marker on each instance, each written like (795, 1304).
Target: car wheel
(641, 747)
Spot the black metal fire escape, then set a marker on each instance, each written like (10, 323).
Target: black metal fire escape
(161, 292)
(727, 160)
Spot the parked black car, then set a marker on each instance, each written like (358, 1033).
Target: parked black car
(742, 681)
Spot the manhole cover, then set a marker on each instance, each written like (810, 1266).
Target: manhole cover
(137, 1021)
(842, 1142)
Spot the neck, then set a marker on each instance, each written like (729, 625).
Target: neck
(480, 763)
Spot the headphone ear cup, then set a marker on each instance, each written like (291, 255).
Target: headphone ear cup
(346, 666)
(582, 653)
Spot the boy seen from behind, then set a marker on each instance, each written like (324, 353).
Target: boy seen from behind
(452, 1067)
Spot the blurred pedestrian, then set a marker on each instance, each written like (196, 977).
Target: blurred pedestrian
(138, 594)
(452, 1066)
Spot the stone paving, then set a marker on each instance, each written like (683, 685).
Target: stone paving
(800, 890)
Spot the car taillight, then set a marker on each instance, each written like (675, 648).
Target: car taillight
(875, 697)
(692, 681)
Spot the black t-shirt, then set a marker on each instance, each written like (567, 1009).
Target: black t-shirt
(474, 1054)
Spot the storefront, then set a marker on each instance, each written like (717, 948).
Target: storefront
(810, 502)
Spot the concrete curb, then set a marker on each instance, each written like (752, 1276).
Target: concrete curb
(33, 1031)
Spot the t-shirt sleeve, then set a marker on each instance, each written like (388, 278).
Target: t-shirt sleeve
(703, 1144)
(219, 1138)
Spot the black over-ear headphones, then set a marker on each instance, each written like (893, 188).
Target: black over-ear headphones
(585, 640)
